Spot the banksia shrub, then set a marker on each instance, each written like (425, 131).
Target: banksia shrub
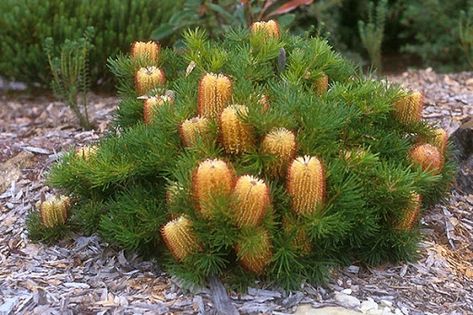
(145, 50)
(321, 84)
(306, 184)
(148, 78)
(215, 92)
(212, 179)
(282, 192)
(54, 211)
(193, 129)
(251, 200)
(408, 109)
(255, 252)
(236, 135)
(179, 238)
(281, 144)
(269, 28)
(427, 157)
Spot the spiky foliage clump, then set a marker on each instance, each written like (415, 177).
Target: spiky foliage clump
(221, 183)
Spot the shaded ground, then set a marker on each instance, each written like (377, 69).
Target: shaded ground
(83, 275)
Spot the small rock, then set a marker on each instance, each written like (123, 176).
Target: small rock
(346, 291)
(346, 300)
(368, 305)
(353, 269)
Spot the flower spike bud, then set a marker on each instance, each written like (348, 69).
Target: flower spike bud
(408, 109)
(251, 200)
(321, 84)
(172, 190)
(215, 92)
(281, 143)
(211, 179)
(264, 102)
(152, 103)
(300, 240)
(179, 238)
(440, 140)
(256, 259)
(54, 211)
(236, 136)
(427, 157)
(148, 78)
(270, 28)
(145, 50)
(306, 184)
(193, 129)
(410, 215)
(86, 152)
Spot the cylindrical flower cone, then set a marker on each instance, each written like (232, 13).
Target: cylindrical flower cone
(440, 140)
(411, 214)
(264, 102)
(427, 157)
(236, 136)
(270, 28)
(300, 241)
(212, 178)
(215, 92)
(408, 109)
(321, 84)
(281, 143)
(145, 50)
(54, 211)
(306, 184)
(255, 259)
(179, 238)
(152, 103)
(148, 78)
(193, 129)
(251, 200)
(86, 152)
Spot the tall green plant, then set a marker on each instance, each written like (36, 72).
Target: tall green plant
(372, 32)
(465, 32)
(70, 73)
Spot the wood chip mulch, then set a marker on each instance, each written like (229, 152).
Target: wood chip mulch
(84, 275)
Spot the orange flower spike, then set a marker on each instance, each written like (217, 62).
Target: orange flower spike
(212, 178)
(257, 260)
(54, 211)
(427, 157)
(179, 238)
(148, 78)
(251, 200)
(152, 103)
(215, 92)
(408, 109)
(282, 144)
(191, 129)
(306, 184)
(145, 50)
(271, 28)
(236, 136)
(411, 214)
(321, 85)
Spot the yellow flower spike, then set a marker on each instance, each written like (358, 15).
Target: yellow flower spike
(215, 92)
(211, 179)
(145, 50)
(427, 157)
(54, 211)
(408, 109)
(148, 78)
(257, 259)
(411, 214)
(191, 129)
(153, 102)
(86, 152)
(440, 140)
(179, 238)
(271, 28)
(251, 200)
(321, 84)
(300, 240)
(236, 136)
(306, 184)
(281, 143)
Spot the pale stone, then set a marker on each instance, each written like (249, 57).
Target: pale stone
(346, 300)
(307, 309)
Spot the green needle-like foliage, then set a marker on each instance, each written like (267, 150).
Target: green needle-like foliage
(142, 178)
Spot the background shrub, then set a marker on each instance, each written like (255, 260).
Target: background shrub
(25, 24)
